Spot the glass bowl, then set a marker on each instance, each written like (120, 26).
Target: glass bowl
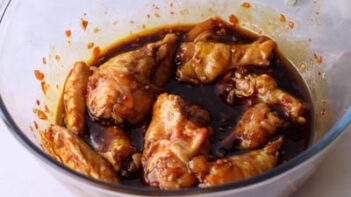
(315, 37)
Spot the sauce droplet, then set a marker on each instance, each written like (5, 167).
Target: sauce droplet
(39, 75)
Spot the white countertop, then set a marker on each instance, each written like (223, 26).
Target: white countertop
(22, 175)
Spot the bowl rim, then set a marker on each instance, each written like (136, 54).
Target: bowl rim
(313, 150)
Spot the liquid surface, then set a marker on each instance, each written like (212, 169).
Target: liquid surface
(223, 116)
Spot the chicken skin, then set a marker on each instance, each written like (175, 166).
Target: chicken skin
(178, 132)
(236, 168)
(265, 89)
(124, 88)
(202, 58)
(117, 149)
(254, 128)
(74, 97)
(67, 148)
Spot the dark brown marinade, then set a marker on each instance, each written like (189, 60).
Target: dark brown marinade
(223, 116)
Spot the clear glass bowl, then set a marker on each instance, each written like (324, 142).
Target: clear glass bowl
(33, 29)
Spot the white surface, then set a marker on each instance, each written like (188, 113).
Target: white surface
(22, 175)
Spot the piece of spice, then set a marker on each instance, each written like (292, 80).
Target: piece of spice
(96, 30)
(90, 45)
(57, 57)
(302, 66)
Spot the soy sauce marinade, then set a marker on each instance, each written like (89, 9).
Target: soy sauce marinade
(223, 116)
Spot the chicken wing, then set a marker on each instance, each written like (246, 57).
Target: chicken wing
(67, 148)
(202, 60)
(255, 127)
(236, 168)
(178, 132)
(264, 88)
(74, 97)
(124, 88)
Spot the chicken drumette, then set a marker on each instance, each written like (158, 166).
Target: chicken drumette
(254, 128)
(202, 58)
(124, 88)
(236, 168)
(74, 97)
(262, 88)
(178, 132)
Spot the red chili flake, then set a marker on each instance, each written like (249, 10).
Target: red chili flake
(44, 87)
(39, 75)
(84, 23)
(38, 102)
(96, 29)
(41, 115)
(246, 5)
(291, 24)
(68, 33)
(282, 18)
(57, 57)
(318, 58)
(36, 126)
(233, 19)
(47, 110)
(44, 60)
(90, 45)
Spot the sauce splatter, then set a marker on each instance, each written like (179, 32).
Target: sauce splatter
(84, 24)
(44, 60)
(90, 45)
(318, 58)
(57, 57)
(44, 87)
(233, 20)
(246, 5)
(41, 115)
(68, 33)
(96, 29)
(291, 24)
(39, 75)
(282, 18)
